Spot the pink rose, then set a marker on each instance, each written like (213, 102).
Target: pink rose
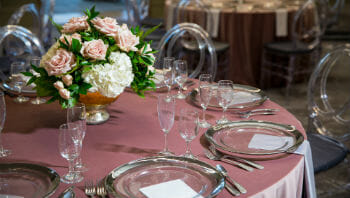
(69, 38)
(126, 40)
(58, 85)
(74, 24)
(67, 79)
(60, 63)
(107, 25)
(64, 93)
(94, 49)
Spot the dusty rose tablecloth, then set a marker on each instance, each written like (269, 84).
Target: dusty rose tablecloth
(133, 132)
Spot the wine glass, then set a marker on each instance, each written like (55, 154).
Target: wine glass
(17, 78)
(166, 115)
(181, 73)
(224, 97)
(205, 93)
(70, 151)
(36, 61)
(168, 72)
(77, 115)
(3, 152)
(188, 128)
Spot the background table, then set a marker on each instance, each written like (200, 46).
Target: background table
(246, 32)
(133, 132)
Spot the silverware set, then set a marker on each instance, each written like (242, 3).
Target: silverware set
(247, 114)
(99, 189)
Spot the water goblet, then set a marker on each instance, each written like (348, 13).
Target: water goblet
(181, 74)
(17, 78)
(168, 72)
(188, 128)
(205, 93)
(77, 115)
(3, 152)
(166, 116)
(70, 151)
(36, 61)
(224, 97)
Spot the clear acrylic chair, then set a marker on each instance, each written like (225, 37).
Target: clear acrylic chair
(137, 11)
(41, 24)
(293, 60)
(173, 41)
(329, 109)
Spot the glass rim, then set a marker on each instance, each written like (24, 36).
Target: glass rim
(68, 126)
(18, 63)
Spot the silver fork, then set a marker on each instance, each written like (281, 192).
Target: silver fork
(101, 190)
(258, 113)
(90, 189)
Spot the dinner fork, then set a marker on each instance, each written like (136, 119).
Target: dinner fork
(90, 189)
(101, 190)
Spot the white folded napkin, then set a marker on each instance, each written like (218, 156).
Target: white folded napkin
(269, 142)
(241, 97)
(214, 18)
(281, 22)
(171, 189)
(9, 196)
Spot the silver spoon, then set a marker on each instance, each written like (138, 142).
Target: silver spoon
(211, 156)
(253, 114)
(240, 188)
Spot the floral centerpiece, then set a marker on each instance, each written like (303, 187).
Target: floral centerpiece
(94, 55)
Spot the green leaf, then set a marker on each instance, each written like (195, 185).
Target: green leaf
(63, 45)
(91, 13)
(149, 31)
(74, 88)
(51, 100)
(76, 46)
(27, 74)
(31, 80)
(83, 63)
(86, 69)
(58, 27)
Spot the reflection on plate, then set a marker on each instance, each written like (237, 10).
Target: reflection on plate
(254, 138)
(244, 97)
(128, 179)
(27, 180)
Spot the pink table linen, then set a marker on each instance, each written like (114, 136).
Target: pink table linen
(133, 132)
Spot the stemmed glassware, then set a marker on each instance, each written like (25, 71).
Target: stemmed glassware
(77, 115)
(69, 150)
(3, 152)
(188, 128)
(168, 72)
(224, 97)
(17, 78)
(36, 61)
(166, 116)
(181, 74)
(205, 93)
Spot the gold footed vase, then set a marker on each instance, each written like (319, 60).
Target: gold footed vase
(96, 104)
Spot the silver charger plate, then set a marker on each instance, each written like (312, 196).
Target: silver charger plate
(244, 97)
(237, 138)
(27, 180)
(126, 181)
(26, 90)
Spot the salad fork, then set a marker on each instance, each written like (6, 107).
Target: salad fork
(101, 190)
(90, 189)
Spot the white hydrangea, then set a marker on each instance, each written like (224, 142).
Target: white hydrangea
(111, 79)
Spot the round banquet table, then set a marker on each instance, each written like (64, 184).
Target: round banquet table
(133, 132)
(245, 30)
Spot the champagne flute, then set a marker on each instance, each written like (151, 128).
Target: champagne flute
(168, 72)
(205, 93)
(17, 78)
(181, 74)
(77, 115)
(224, 97)
(70, 151)
(166, 115)
(3, 152)
(188, 128)
(36, 61)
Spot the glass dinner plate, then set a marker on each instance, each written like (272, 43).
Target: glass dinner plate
(27, 180)
(26, 90)
(244, 97)
(254, 138)
(126, 181)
